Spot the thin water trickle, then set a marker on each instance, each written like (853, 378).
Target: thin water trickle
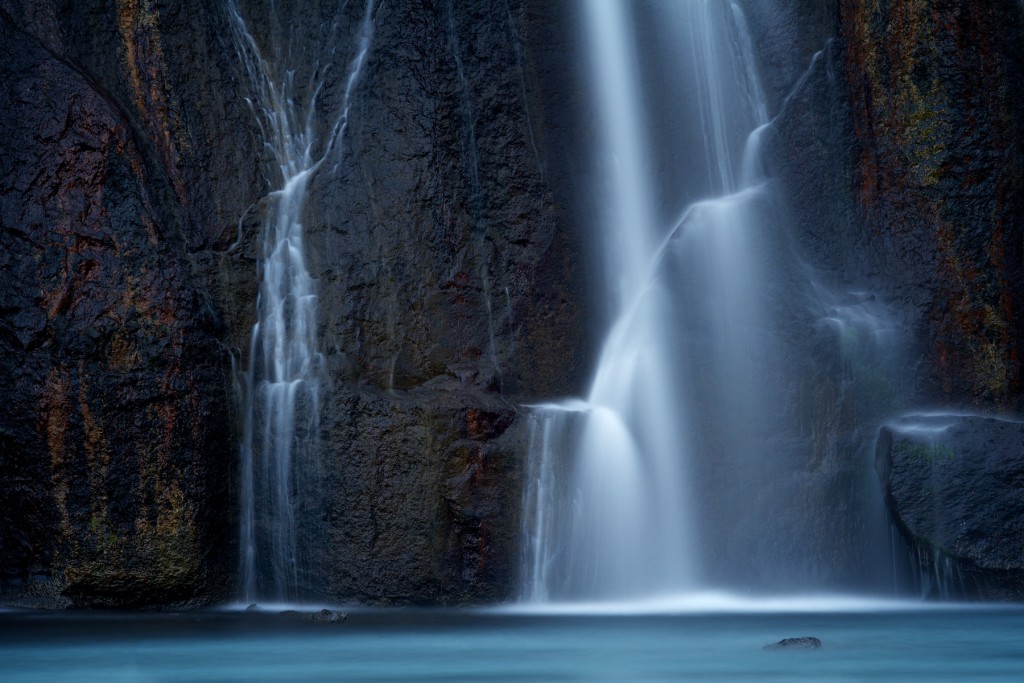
(476, 192)
(281, 474)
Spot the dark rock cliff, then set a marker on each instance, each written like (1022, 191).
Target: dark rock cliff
(116, 456)
(938, 181)
(452, 275)
(899, 153)
(450, 287)
(939, 188)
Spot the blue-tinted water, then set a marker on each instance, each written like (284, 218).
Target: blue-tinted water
(939, 644)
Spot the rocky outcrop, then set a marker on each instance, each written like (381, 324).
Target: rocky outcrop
(955, 488)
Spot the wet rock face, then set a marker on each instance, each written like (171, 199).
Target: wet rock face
(938, 180)
(833, 382)
(435, 243)
(451, 287)
(955, 488)
(424, 507)
(116, 453)
(899, 156)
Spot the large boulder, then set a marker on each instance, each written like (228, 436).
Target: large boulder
(955, 489)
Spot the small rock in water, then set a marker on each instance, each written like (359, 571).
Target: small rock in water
(253, 608)
(803, 643)
(328, 616)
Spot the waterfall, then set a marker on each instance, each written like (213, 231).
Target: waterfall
(665, 479)
(280, 470)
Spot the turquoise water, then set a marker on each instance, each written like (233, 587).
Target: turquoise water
(923, 644)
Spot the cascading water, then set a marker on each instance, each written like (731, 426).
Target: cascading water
(628, 526)
(281, 475)
(670, 476)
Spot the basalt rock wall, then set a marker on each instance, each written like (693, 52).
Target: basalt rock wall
(116, 455)
(453, 277)
(898, 151)
(132, 179)
(938, 179)
(451, 291)
(939, 190)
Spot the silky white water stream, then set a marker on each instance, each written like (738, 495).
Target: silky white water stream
(280, 469)
(610, 509)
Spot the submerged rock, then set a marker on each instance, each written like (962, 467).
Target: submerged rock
(328, 616)
(323, 616)
(954, 486)
(801, 643)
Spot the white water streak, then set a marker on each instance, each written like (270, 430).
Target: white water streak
(629, 530)
(279, 450)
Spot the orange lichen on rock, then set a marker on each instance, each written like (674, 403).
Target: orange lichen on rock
(54, 413)
(935, 133)
(139, 26)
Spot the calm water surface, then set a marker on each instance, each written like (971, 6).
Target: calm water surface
(923, 644)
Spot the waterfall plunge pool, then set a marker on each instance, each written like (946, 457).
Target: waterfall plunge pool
(862, 640)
